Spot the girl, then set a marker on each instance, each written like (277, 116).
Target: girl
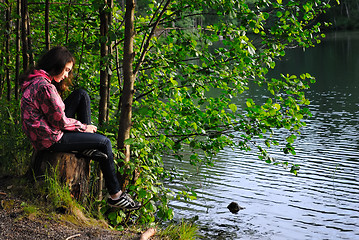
(50, 123)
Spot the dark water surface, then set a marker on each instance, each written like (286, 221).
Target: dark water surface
(322, 202)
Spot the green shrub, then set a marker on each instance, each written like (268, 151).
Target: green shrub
(15, 148)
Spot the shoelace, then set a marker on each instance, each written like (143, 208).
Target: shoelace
(129, 199)
(89, 152)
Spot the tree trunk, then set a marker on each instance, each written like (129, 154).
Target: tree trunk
(24, 34)
(71, 170)
(347, 9)
(7, 49)
(29, 42)
(128, 87)
(18, 46)
(129, 76)
(105, 21)
(2, 78)
(68, 22)
(47, 27)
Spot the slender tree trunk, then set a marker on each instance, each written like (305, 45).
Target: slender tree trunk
(68, 22)
(128, 86)
(2, 79)
(109, 77)
(82, 52)
(47, 27)
(24, 35)
(347, 9)
(104, 72)
(7, 49)
(18, 37)
(119, 78)
(105, 76)
(129, 76)
(29, 40)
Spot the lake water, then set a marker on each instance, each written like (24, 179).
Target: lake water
(322, 202)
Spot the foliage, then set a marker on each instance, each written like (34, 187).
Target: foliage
(175, 110)
(188, 103)
(15, 149)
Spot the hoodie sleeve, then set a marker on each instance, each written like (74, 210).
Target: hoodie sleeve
(53, 108)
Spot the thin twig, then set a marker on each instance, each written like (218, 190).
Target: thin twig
(152, 33)
(76, 235)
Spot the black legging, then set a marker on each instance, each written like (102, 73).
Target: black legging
(78, 103)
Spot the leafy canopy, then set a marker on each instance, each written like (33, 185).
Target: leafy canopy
(204, 56)
(229, 47)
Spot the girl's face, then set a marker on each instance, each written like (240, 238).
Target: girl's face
(65, 72)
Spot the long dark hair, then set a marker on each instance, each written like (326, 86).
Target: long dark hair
(53, 62)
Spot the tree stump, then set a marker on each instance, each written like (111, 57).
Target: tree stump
(71, 170)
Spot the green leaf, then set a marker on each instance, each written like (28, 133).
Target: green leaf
(249, 103)
(174, 82)
(233, 107)
(276, 106)
(163, 138)
(129, 141)
(112, 216)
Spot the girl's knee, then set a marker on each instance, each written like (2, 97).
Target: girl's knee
(82, 92)
(106, 144)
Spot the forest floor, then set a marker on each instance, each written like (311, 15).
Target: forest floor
(20, 220)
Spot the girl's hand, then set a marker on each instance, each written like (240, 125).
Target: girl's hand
(91, 129)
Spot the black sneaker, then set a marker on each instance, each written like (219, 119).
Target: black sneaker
(94, 154)
(125, 202)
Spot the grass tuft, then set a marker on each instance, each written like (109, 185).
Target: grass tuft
(182, 231)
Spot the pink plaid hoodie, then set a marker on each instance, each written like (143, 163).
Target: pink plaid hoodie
(42, 112)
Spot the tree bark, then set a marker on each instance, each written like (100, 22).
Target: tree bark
(71, 170)
(24, 35)
(105, 76)
(128, 87)
(2, 78)
(47, 27)
(7, 49)
(18, 46)
(68, 22)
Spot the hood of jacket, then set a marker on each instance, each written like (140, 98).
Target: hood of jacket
(34, 75)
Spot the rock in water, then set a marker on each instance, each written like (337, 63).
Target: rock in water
(234, 207)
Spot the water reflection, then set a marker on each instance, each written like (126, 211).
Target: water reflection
(323, 201)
